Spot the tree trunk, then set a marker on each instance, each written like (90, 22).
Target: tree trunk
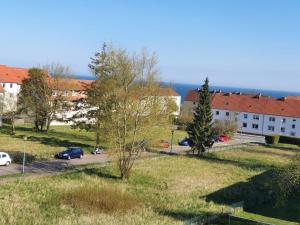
(13, 129)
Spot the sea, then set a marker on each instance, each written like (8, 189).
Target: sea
(183, 89)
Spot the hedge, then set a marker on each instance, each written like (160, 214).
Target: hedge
(275, 139)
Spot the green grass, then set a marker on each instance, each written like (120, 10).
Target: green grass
(163, 190)
(45, 145)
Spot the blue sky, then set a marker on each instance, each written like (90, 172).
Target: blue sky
(245, 43)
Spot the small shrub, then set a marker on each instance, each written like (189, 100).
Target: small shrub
(289, 140)
(95, 199)
(17, 157)
(273, 139)
(228, 127)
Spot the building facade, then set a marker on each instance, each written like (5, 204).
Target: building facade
(70, 89)
(255, 114)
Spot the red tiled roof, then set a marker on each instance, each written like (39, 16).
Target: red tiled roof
(12, 74)
(16, 75)
(251, 103)
(292, 98)
(167, 91)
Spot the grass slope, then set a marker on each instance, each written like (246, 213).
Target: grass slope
(164, 190)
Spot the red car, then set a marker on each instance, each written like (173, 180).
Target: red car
(223, 138)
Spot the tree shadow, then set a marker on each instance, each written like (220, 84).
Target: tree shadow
(187, 217)
(266, 152)
(259, 196)
(211, 157)
(101, 172)
(283, 148)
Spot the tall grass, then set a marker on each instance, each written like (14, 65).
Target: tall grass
(100, 200)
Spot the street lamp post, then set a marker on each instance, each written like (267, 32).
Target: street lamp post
(24, 154)
(172, 132)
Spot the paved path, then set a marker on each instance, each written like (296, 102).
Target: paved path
(54, 165)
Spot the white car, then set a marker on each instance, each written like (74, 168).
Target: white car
(5, 159)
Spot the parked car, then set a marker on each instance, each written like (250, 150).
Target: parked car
(70, 153)
(215, 138)
(185, 142)
(223, 138)
(98, 150)
(5, 159)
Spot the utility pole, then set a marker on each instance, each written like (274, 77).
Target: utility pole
(24, 155)
(172, 140)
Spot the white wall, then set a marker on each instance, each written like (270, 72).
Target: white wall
(263, 123)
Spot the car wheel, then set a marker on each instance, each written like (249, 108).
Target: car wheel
(7, 163)
(69, 157)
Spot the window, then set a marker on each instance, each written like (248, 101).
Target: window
(271, 128)
(217, 113)
(294, 126)
(244, 125)
(194, 103)
(283, 120)
(11, 85)
(3, 156)
(227, 113)
(294, 120)
(272, 119)
(4, 85)
(282, 129)
(245, 116)
(255, 126)
(256, 117)
(293, 133)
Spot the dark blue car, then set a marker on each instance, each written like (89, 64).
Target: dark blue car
(70, 153)
(185, 142)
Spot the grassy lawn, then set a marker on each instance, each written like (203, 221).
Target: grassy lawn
(45, 145)
(164, 190)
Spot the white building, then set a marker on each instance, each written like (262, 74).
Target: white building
(71, 89)
(254, 114)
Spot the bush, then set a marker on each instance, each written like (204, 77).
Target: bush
(17, 157)
(228, 127)
(272, 140)
(289, 140)
(182, 122)
(95, 199)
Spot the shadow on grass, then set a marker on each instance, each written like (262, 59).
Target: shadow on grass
(44, 138)
(187, 217)
(101, 172)
(259, 196)
(266, 152)
(283, 148)
(253, 165)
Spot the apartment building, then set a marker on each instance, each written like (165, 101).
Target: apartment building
(70, 89)
(253, 113)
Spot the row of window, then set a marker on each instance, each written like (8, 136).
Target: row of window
(65, 93)
(256, 117)
(270, 128)
(10, 85)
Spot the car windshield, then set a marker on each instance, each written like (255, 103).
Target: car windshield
(66, 151)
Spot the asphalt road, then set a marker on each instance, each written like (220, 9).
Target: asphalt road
(54, 165)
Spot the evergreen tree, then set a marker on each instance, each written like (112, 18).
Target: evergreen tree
(200, 129)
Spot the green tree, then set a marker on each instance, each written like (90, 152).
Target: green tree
(92, 110)
(200, 129)
(124, 103)
(34, 97)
